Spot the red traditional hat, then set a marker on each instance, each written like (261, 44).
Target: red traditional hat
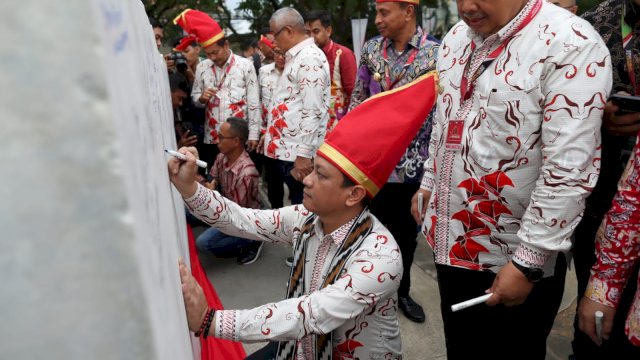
(414, 2)
(185, 42)
(199, 24)
(369, 141)
(264, 40)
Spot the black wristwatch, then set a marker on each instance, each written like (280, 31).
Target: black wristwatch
(531, 273)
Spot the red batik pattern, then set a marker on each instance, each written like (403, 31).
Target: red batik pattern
(278, 124)
(618, 248)
(515, 186)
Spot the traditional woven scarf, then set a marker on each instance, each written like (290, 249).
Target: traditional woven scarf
(358, 232)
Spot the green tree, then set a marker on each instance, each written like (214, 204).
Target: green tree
(258, 12)
(166, 10)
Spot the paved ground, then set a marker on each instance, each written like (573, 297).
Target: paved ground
(241, 287)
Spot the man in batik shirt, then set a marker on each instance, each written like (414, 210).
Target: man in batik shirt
(513, 155)
(342, 64)
(617, 22)
(297, 119)
(341, 297)
(401, 54)
(268, 78)
(226, 85)
(618, 250)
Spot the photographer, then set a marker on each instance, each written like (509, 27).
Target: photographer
(188, 49)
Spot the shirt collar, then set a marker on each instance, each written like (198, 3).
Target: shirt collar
(414, 41)
(235, 167)
(227, 62)
(299, 46)
(327, 47)
(504, 31)
(338, 235)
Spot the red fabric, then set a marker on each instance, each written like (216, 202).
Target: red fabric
(267, 42)
(382, 127)
(414, 2)
(212, 348)
(185, 42)
(200, 25)
(348, 67)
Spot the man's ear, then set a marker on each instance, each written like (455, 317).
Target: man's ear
(356, 194)
(411, 11)
(329, 30)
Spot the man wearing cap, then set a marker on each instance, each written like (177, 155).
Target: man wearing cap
(342, 64)
(401, 54)
(266, 46)
(514, 153)
(226, 85)
(341, 297)
(297, 119)
(189, 47)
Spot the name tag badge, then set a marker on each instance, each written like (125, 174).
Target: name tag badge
(454, 135)
(216, 101)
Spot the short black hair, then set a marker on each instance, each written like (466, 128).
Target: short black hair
(404, 5)
(154, 22)
(177, 82)
(322, 15)
(221, 42)
(249, 43)
(239, 127)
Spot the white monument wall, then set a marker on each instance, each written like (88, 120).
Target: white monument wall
(90, 227)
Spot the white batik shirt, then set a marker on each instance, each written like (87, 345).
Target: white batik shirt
(238, 93)
(360, 307)
(297, 119)
(516, 184)
(268, 78)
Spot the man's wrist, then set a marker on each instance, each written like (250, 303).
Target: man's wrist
(532, 274)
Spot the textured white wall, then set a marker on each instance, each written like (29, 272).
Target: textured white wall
(90, 228)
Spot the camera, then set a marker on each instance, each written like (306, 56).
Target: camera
(179, 59)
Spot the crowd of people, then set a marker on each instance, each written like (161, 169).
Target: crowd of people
(499, 142)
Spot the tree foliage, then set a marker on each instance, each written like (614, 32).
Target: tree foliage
(166, 10)
(258, 12)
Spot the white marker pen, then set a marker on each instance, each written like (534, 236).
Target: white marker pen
(180, 156)
(471, 302)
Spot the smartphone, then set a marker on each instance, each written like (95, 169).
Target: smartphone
(627, 104)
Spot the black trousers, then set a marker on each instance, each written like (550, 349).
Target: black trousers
(208, 153)
(392, 206)
(277, 172)
(269, 352)
(497, 332)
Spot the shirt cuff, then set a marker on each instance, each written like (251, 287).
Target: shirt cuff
(428, 182)
(225, 326)
(531, 256)
(199, 200)
(603, 292)
(305, 151)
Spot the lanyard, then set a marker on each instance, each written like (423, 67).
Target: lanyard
(412, 57)
(467, 85)
(224, 76)
(627, 47)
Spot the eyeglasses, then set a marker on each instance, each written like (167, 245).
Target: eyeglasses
(222, 137)
(279, 31)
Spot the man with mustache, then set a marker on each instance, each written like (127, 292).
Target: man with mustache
(402, 53)
(513, 154)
